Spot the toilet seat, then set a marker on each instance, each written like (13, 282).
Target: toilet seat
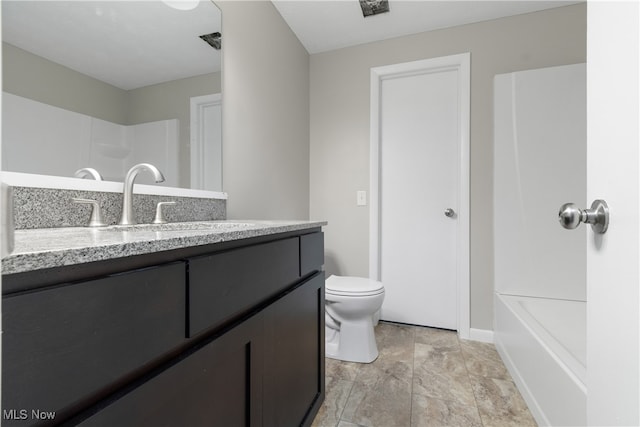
(352, 286)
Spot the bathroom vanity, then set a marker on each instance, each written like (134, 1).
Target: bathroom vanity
(208, 326)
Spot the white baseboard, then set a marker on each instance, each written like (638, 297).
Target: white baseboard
(482, 335)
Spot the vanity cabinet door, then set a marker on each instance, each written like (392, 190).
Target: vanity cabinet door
(219, 384)
(294, 358)
(67, 346)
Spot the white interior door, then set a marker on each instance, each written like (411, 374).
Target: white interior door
(419, 134)
(613, 258)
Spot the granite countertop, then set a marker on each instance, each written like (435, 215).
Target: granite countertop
(56, 247)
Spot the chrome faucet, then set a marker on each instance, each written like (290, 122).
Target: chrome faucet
(88, 172)
(127, 217)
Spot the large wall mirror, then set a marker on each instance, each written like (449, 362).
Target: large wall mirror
(108, 84)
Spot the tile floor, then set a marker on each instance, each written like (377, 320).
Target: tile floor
(422, 377)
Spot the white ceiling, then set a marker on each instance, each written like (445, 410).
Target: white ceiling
(334, 24)
(128, 44)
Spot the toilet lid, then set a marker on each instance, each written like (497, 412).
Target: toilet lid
(345, 285)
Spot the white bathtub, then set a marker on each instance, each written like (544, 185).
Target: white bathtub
(543, 344)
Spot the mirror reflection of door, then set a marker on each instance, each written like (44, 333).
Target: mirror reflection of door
(206, 142)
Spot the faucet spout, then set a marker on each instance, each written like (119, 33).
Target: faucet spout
(88, 173)
(127, 217)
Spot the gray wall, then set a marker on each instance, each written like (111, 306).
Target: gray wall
(31, 76)
(339, 128)
(265, 118)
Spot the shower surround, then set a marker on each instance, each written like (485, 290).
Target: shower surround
(540, 268)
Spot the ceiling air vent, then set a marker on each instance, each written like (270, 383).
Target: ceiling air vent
(374, 7)
(214, 39)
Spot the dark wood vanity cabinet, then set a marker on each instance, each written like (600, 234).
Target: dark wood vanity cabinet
(64, 347)
(233, 337)
(219, 384)
(294, 360)
(225, 284)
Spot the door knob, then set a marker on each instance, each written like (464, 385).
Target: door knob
(449, 212)
(598, 216)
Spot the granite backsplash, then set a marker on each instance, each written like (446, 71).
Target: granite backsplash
(52, 208)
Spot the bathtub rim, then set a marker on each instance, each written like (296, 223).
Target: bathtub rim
(576, 369)
(569, 411)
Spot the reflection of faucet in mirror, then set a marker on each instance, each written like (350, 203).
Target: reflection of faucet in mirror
(88, 173)
(127, 217)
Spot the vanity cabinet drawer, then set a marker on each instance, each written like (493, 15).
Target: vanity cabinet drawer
(66, 346)
(311, 253)
(224, 285)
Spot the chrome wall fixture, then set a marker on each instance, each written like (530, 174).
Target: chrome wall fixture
(598, 216)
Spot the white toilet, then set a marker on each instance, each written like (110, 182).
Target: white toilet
(351, 303)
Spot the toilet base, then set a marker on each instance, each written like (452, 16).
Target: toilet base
(354, 342)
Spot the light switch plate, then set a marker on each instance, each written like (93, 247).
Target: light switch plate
(361, 198)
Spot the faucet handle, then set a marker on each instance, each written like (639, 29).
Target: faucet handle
(159, 219)
(96, 219)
